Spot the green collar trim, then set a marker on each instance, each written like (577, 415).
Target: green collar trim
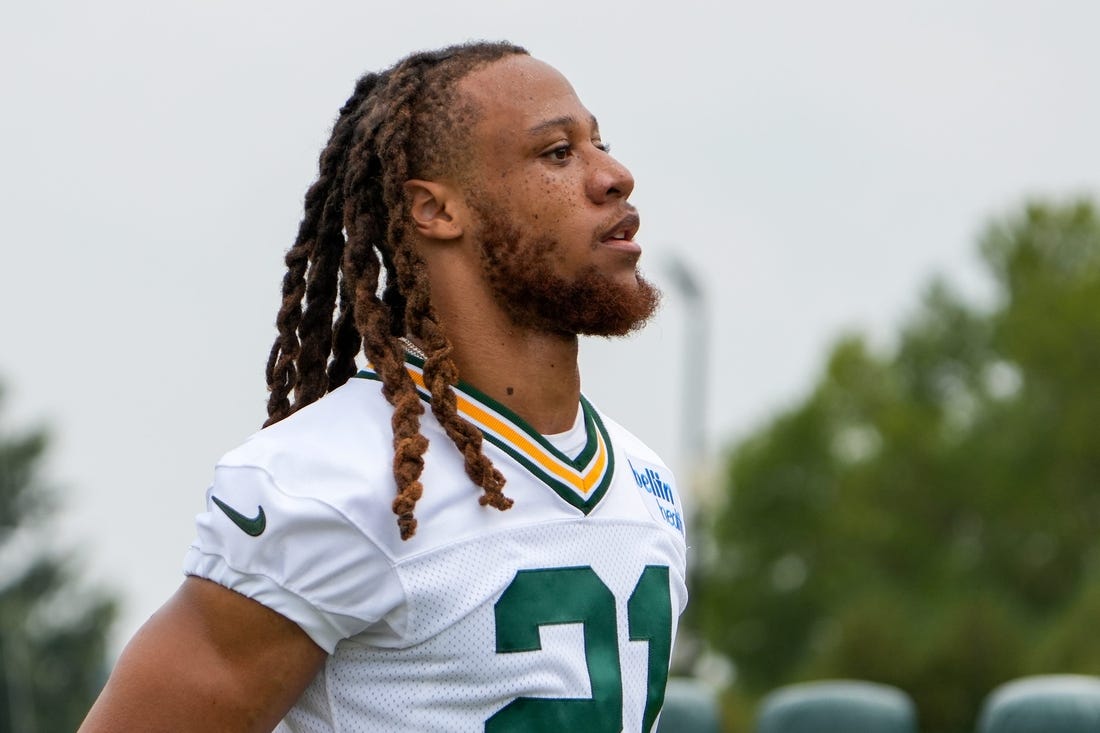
(581, 481)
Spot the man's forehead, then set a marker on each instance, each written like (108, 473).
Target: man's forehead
(523, 93)
(513, 70)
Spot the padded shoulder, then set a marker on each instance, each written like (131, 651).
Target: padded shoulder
(293, 515)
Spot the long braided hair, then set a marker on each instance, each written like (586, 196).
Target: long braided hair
(403, 123)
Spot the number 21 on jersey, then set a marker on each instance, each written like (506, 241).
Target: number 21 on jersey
(573, 595)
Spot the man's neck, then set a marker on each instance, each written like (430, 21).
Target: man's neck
(533, 374)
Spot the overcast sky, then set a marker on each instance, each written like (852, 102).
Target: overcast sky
(814, 164)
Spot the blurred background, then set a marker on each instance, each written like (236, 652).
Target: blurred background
(875, 370)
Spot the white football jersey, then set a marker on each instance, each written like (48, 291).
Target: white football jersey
(556, 615)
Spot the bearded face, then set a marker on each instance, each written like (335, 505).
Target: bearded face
(523, 270)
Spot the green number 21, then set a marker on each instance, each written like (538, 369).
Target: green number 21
(577, 595)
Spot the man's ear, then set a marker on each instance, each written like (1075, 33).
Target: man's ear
(434, 208)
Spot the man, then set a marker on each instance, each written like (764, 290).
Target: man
(467, 224)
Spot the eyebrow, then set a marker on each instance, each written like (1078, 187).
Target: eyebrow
(562, 121)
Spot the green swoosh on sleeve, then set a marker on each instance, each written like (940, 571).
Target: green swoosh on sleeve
(252, 526)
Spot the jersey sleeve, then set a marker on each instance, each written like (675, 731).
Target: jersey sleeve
(297, 555)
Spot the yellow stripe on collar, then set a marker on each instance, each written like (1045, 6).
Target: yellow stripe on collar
(580, 480)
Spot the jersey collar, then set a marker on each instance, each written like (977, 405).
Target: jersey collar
(581, 481)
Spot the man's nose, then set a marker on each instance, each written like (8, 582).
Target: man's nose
(609, 179)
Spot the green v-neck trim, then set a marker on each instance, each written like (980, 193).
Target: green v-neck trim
(581, 481)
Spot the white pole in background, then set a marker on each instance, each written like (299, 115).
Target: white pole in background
(696, 355)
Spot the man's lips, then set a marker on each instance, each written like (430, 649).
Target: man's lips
(621, 234)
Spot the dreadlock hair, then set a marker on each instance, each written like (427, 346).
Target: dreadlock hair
(399, 124)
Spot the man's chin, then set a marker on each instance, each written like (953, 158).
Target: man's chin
(602, 308)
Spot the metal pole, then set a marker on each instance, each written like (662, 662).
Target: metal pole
(696, 356)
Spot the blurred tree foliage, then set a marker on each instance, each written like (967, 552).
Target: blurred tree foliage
(52, 636)
(930, 517)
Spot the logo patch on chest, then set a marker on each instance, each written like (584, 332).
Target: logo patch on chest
(658, 489)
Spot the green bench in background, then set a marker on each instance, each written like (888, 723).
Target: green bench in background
(1043, 704)
(837, 706)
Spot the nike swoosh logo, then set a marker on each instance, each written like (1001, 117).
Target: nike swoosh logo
(252, 526)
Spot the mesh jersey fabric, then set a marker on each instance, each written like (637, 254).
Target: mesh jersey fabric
(589, 563)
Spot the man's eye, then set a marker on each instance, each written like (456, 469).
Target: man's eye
(560, 152)
(601, 145)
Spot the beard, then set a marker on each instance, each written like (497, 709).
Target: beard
(521, 273)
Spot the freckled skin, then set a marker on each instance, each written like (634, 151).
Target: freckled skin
(571, 200)
(542, 218)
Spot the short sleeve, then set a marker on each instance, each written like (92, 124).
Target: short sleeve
(294, 554)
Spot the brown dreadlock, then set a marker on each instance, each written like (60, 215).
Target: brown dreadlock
(400, 124)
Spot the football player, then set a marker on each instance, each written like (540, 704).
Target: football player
(445, 535)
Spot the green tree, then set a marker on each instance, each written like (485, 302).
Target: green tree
(929, 516)
(52, 635)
